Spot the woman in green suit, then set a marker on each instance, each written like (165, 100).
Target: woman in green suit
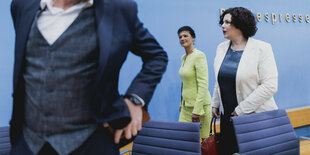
(196, 100)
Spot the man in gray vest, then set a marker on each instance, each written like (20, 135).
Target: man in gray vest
(68, 55)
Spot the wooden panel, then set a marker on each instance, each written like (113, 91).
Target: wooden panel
(304, 147)
(217, 126)
(127, 147)
(299, 116)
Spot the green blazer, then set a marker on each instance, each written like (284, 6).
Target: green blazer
(194, 75)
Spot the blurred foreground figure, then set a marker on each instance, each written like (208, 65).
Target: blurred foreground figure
(68, 56)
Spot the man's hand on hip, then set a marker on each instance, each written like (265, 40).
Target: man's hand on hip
(135, 124)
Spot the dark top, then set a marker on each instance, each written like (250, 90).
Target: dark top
(227, 80)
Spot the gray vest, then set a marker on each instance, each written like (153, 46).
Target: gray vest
(58, 79)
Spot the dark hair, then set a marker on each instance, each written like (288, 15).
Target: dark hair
(243, 19)
(189, 29)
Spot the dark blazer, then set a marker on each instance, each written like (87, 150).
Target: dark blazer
(119, 31)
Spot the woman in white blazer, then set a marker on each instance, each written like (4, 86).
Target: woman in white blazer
(245, 72)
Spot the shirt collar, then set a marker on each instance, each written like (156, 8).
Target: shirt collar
(89, 3)
(49, 3)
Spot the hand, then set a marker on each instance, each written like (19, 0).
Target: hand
(215, 112)
(234, 113)
(134, 125)
(195, 118)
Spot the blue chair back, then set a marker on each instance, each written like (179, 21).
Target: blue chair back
(266, 133)
(5, 145)
(168, 138)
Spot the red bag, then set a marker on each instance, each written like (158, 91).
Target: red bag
(210, 146)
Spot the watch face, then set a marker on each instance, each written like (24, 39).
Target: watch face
(135, 100)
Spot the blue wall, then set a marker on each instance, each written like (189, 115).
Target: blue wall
(164, 17)
(289, 41)
(6, 61)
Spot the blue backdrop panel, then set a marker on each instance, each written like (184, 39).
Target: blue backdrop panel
(6, 62)
(163, 18)
(289, 40)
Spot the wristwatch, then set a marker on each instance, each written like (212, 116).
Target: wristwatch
(135, 99)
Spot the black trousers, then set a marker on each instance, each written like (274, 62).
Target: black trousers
(228, 142)
(100, 142)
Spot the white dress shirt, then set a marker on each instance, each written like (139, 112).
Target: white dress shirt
(53, 21)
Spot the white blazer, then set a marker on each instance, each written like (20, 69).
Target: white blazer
(256, 79)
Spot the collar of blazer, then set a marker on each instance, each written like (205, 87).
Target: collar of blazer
(222, 50)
